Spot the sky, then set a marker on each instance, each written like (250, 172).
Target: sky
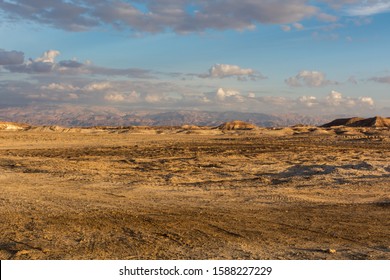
(308, 57)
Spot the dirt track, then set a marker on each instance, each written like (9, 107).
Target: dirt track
(179, 196)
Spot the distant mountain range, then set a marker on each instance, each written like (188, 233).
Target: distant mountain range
(73, 115)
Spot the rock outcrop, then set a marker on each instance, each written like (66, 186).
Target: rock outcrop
(11, 126)
(360, 122)
(237, 125)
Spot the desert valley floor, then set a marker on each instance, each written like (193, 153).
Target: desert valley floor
(183, 193)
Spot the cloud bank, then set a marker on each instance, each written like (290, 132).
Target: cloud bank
(13, 62)
(11, 57)
(46, 80)
(155, 16)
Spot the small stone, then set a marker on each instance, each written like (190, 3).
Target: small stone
(22, 252)
(332, 251)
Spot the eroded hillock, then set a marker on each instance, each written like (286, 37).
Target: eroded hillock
(360, 122)
(11, 126)
(237, 125)
(373, 122)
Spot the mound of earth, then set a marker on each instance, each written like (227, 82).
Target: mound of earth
(340, 122)
(13, 126)
(190, 127)
(55, 128)
(373, 122)
(360, 122)
(237, 125)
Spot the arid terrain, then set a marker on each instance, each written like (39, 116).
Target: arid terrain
(195, 193)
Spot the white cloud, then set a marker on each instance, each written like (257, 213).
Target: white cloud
(43, 64)
(310, 79)
(223, 94)
(335, 98)
(225, 70)
(308, 101)
(366, 101)
(48, 56)
(59, 87)
(221, 71)
(97, 86)
(368, 8)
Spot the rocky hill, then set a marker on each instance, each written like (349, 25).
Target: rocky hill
(360, 122)
(237, 125)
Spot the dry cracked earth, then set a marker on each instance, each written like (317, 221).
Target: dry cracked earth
(246, 195)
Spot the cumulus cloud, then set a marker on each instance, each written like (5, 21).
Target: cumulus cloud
(308, 101)
(336, 99)
(221, 71)
(224, 94)
(42, 64)
(333, 102)
(48, 56)
(310, 79)
(366, 101)
(11, 57)
(158, 16)
(98, 86)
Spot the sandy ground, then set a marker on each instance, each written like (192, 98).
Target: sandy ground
(194, 195)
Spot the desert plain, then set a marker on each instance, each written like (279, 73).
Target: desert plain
(195, 193)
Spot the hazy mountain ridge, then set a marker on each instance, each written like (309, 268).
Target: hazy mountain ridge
(108, 116)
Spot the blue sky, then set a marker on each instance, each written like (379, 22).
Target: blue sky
(308, 57)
